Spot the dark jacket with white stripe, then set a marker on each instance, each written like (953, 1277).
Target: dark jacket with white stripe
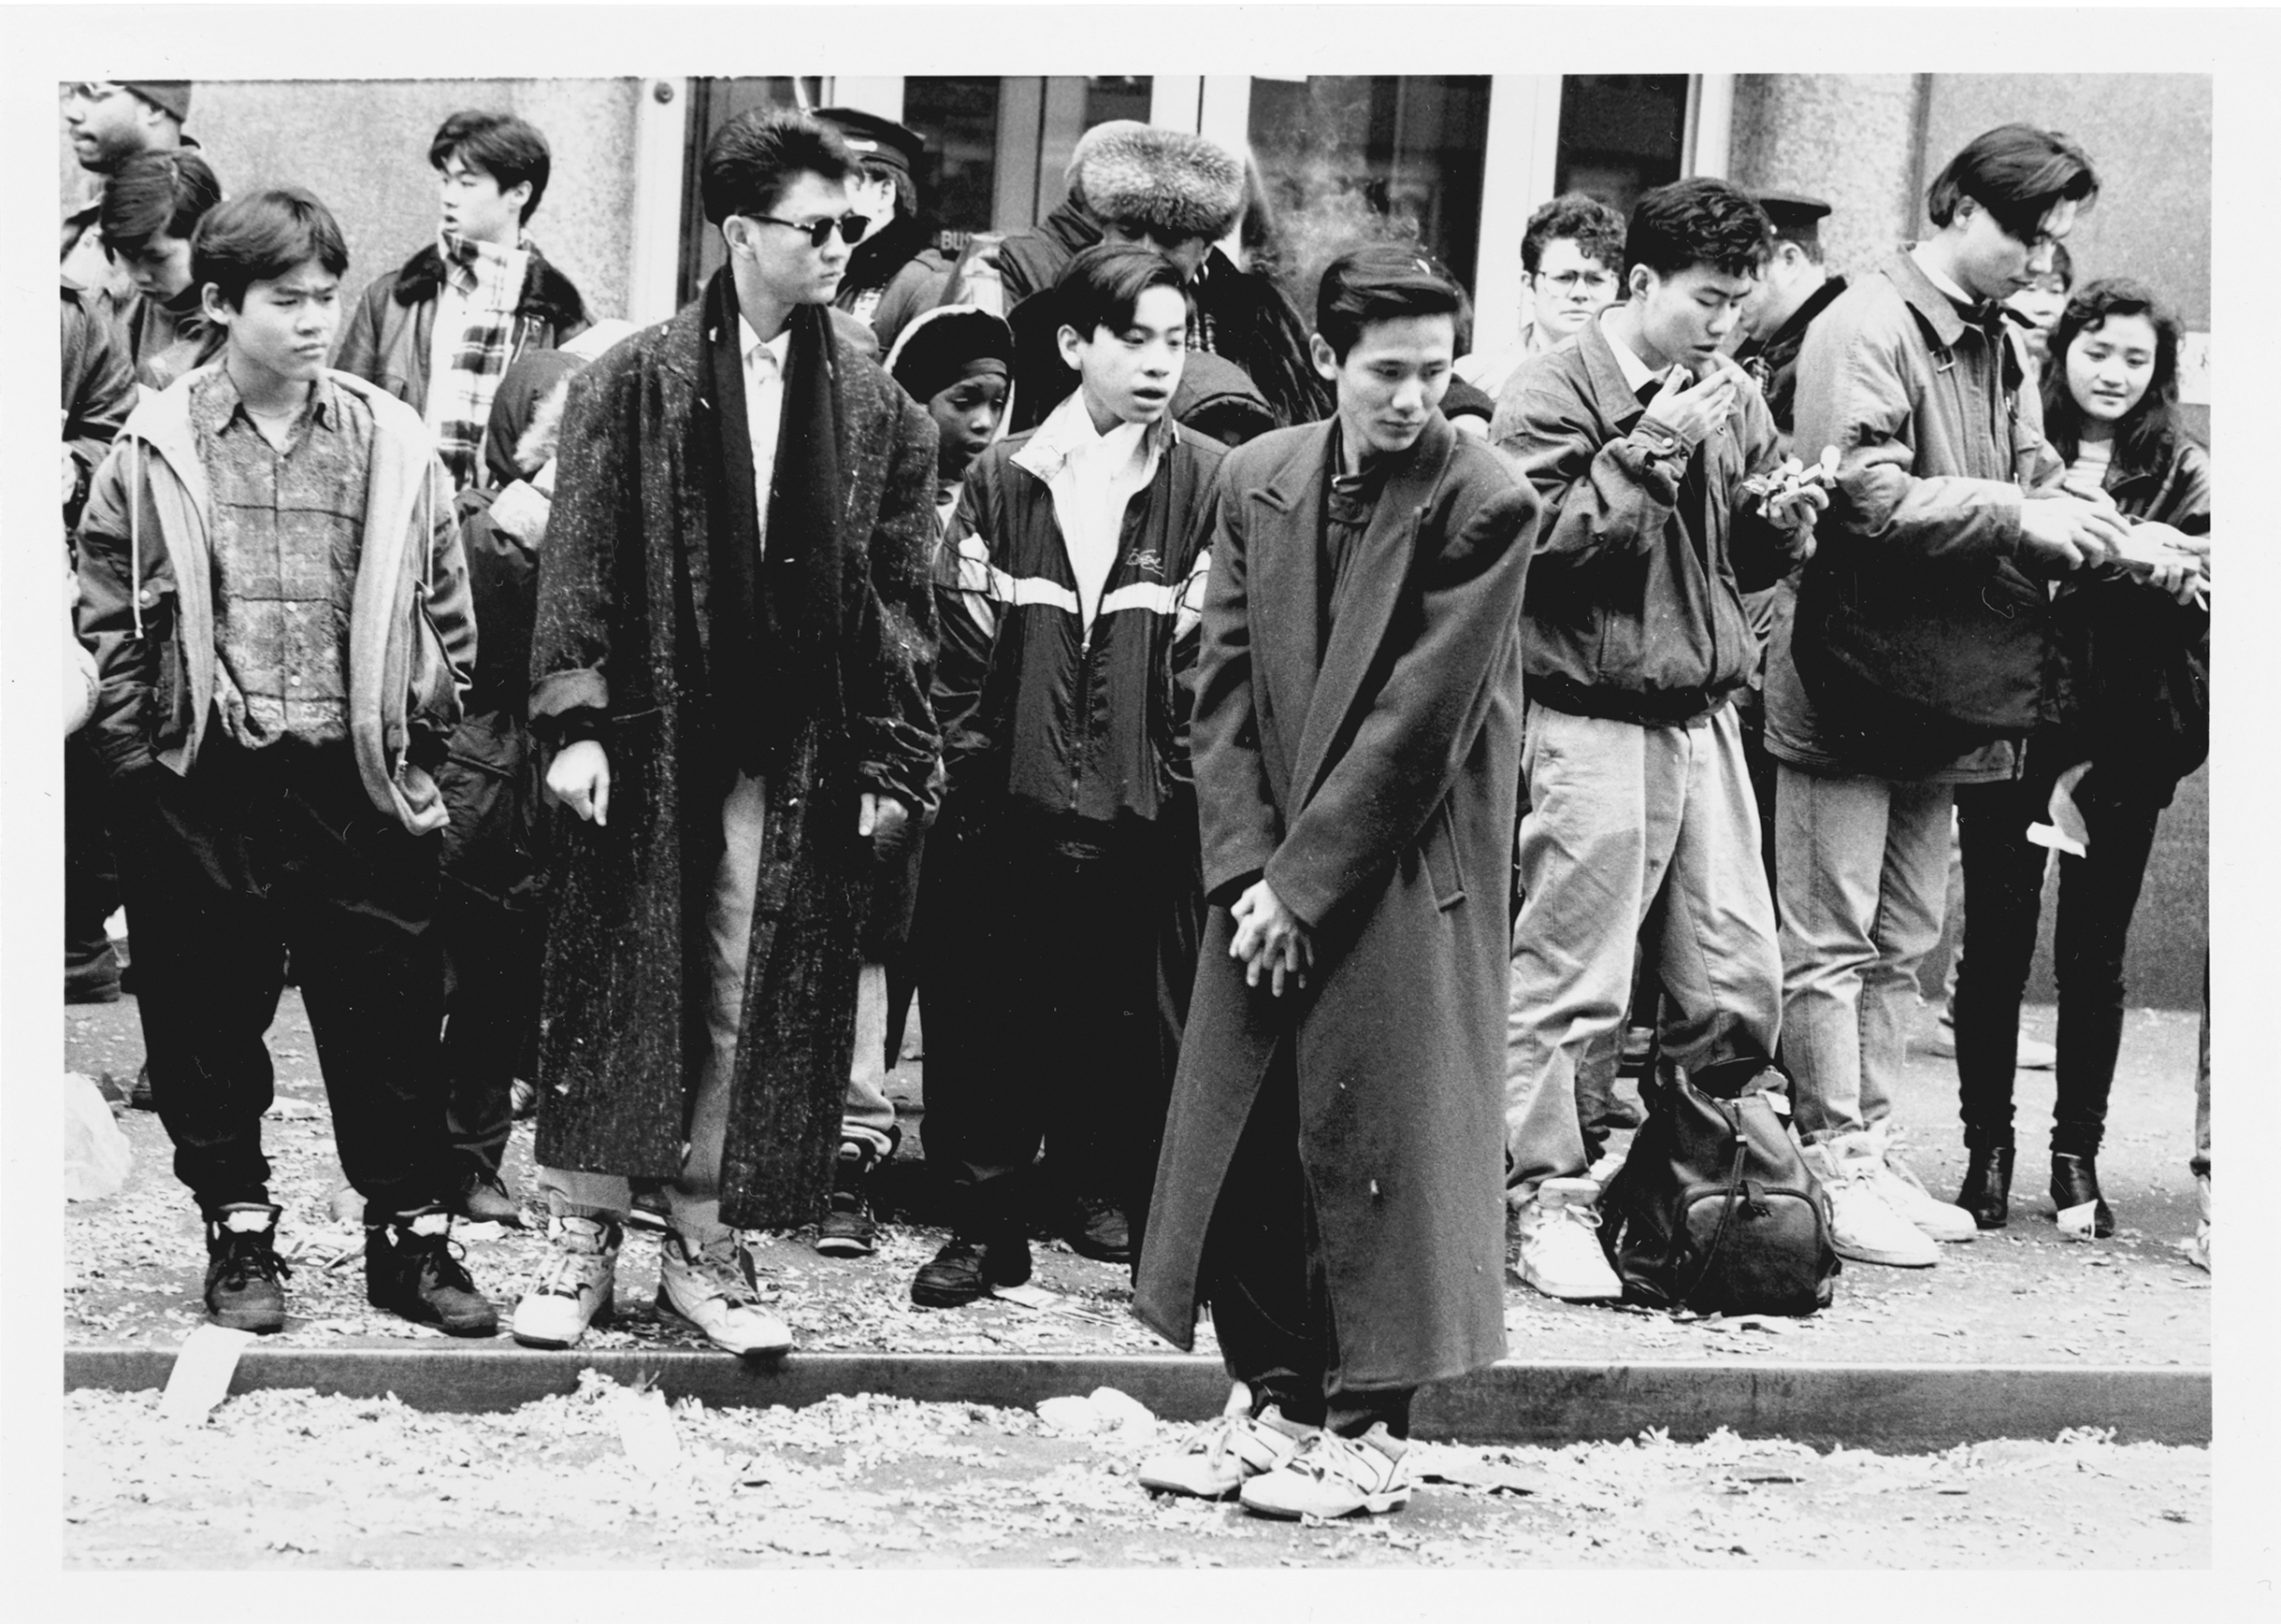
(1035, 709)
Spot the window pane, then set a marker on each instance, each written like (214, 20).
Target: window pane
(958, 175)
(1621, 134)
(1116, 98)
(1356, 159)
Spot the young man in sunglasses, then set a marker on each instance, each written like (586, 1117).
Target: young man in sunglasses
(734, 635)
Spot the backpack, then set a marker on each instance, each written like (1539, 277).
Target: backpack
(1714, 1208)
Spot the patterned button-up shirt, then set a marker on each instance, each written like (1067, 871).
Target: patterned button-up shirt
(288, 530)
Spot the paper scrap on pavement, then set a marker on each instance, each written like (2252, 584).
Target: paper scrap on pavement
(1042, 1300)
(2078, 1223)
(645, 1428)
(200, 1378)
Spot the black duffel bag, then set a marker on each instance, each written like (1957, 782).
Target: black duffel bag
(1714, 1209)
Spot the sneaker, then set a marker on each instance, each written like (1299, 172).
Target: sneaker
(413, 1267)
(242, 1266)
(1220, 1456)
(93, 982)
(708, 1283)
(1099, 1229)
(1862, 1225)
(1561, 1254)
(966, 1270)
(1906, 1194)
(486, 1199)
(1334, 1476)
(2031, 1055)
(577, 1289)
(849, 1227)
(649, 1212)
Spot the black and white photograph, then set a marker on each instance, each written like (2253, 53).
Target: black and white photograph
(1109, 826)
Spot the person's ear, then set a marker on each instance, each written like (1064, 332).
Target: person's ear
(211, 302)
(1641, 283)
(518, 195)
(1072, 347)
(1325, 358)
(736, 234)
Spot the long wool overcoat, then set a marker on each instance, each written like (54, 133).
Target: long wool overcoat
(1373, 781)
(622, 630)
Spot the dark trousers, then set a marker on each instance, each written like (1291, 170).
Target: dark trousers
(492, 955)
(1040, 956)
(90, 873)
(2003, 887)
(226, 870)
(1263, 1274)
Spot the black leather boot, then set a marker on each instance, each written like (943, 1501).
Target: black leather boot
(2074, 1180)
(1988, 1185)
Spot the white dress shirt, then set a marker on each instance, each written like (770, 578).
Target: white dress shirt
(1093, 478)
(764, 360)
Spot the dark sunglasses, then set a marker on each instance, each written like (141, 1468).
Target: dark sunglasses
(850, 227)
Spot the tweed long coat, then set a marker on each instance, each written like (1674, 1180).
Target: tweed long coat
(1373, 781)
(622, 631)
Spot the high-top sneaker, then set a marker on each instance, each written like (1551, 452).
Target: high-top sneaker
(849, 1227)
(242, 1266)
(1561, 1254)
(706, 1280)
(412, 1268)
(577, 1286)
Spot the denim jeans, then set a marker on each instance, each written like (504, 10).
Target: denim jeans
(868, 1117)
(693, 1200)
(2003, 882)
(1861, 864)
(1630, 824)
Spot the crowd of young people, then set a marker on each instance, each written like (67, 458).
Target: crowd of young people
(1268, 842)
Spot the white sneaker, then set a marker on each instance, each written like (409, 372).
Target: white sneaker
(1334, 1476)
(708, 1286)
(1560, 1243)
(1906, 1194)
(1219, 1456)
(2198, 1249)
(1862, 1225)
(576, 1288)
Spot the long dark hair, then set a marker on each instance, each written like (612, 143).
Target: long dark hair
(2149, 432)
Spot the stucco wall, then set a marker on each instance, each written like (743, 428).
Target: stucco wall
(1846, 138)
(362, 147)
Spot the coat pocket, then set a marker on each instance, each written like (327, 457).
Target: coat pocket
(486, 782)
(1443, 870)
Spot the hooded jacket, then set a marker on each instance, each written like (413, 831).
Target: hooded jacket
(147, 607)
(393, 329)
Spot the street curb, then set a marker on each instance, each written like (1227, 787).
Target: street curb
(1859, 1406)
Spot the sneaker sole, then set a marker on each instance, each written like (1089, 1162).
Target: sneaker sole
(926, 1296)
(835, 1247)
(1158, 1486)
(1374, 1505)
(260, 1324)
(603, 1316)
(1595, 1294)
(1889, 1260)
(764, 1351)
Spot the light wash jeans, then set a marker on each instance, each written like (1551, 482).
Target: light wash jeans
(1862, 865)
(1630, 826)
(868, 1117)
(693, 1200)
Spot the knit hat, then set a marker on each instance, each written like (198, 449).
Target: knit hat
(170, 95)
(946, 344)
(1171, 182)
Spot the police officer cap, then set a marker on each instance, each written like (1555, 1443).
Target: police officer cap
(1795, 215)
(874, 139)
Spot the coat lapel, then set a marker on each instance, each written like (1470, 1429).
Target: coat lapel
(1383, 563)
(1284, 556)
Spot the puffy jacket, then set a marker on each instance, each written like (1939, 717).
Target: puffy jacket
(392, 330)
(1918, 638)
(1628, 615)
(1040, 711)
(146, 609)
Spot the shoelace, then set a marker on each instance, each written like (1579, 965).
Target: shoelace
(441, 1262)
(718, 1265)
(247, 1254)
(1326, 1454)
(566, 1278)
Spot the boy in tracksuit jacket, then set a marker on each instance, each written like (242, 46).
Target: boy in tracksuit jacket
(1047, 874)
(1639, 436)
(275, 594)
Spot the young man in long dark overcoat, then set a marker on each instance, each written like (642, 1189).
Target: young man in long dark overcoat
(1331, 1178)
(732, 654)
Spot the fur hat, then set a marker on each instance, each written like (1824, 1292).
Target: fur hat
(1179, 184)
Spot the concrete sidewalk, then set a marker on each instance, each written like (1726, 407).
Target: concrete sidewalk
(2018, 1325)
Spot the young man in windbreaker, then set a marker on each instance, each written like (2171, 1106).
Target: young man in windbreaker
(1638, 436)
(276, 596)
(1048, 877)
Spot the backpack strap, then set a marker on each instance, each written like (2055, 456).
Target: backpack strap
(1734, 1195)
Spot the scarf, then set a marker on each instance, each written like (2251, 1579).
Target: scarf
(490, 278)
(774, 624)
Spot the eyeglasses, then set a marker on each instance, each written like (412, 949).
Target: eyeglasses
(850, 227)
(1569, 282)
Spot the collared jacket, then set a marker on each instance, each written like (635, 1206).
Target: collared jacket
(1370, 777)
(1918, 645)
(98, 390)
(392, 331)
(1040, 710)
(1634, 613)
(146, 609)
